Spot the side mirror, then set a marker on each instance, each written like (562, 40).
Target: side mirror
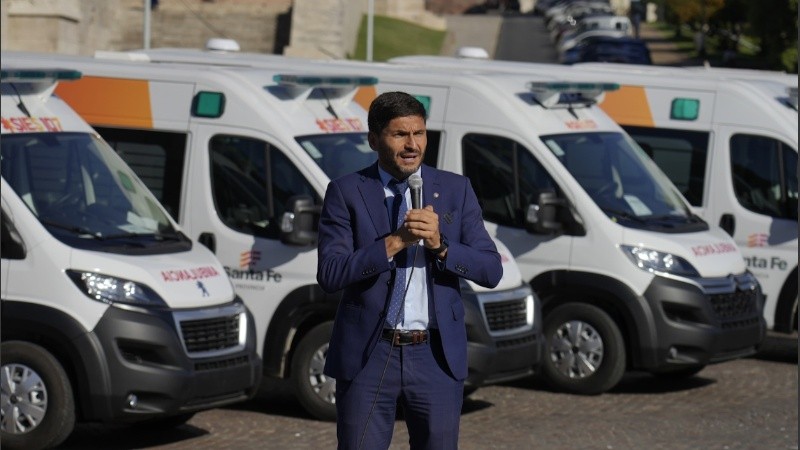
(542, 216)
(299, 222)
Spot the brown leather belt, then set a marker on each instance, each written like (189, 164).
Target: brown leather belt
(405, 337)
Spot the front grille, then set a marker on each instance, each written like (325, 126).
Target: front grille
(222, 364)
(506, 343)
(506, 315)
(732, 308)
(208, 335)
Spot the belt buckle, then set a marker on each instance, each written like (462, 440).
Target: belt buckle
(414, 337)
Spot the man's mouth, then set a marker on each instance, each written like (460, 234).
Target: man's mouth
(408, 157)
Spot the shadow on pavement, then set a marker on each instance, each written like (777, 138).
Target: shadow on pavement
(631, 383)
(274, 397)
(645, 383)
(105, 437)
(474, 405)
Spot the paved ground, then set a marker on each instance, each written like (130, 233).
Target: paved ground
(745, 404)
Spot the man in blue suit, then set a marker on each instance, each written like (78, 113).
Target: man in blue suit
(399, 334)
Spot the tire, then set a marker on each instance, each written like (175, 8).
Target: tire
(598, 344)
(315, 391)
(34, 382)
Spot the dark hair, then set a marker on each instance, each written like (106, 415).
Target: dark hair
(391, 105)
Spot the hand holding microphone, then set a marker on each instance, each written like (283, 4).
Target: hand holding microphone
(421, 223)
(415, 184)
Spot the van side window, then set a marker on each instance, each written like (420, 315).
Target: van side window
(764, 175)
(11, 245)
(432, 150)
(252, 183)
(680, 154)
(156, 157)
(505, 176)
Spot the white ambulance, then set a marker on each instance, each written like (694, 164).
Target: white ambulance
(109, 312)
(727, 138)
(242, 157)
(629, 277)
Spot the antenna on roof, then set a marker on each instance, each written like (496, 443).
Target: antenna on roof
(472, 53)
(222, 45)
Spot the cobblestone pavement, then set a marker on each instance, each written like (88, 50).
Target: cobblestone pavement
(744, 404)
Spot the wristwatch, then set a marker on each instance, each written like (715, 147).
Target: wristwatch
(442, 246)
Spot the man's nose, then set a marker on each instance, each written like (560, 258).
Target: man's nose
(413, 142)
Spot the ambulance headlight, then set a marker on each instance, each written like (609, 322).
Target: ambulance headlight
(111, 290)
(659, 262)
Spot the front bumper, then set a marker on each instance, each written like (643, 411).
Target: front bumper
(704, 321)
(163, 362)
(504, 335)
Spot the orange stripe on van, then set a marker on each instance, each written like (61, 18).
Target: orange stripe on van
(109, 101)
(628, 106)
(365, 95)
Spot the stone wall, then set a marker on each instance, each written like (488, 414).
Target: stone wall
(190, 23)
(58, 26)
(84, 26)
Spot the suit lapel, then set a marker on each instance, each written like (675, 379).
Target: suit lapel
(431, 191)
(372, 194)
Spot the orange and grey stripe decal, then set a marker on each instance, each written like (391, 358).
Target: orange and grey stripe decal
(109, 101)
(628, 106)
(365, 95)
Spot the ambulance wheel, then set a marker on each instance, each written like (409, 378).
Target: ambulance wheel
(314, 390)
(585, 352)
(36, 405)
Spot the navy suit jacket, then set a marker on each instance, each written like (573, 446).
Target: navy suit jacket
(352, 257)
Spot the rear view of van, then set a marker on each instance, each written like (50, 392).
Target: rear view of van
(109, 312)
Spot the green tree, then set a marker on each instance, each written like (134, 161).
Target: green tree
(774, 23)
(687, 11)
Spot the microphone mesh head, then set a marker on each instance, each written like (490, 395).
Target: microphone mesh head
(415, 181)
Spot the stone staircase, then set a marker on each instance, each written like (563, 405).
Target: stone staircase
(319, 28)
(254, 24)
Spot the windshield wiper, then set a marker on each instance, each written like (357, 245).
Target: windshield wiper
(624, 215)
(75, 229)
(155, 236)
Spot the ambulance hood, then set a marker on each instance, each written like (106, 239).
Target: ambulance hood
(190, 279)
(512, 278)
(712, 253)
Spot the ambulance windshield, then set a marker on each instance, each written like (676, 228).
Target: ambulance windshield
(84, 193)
(339, 154)
(620, 177)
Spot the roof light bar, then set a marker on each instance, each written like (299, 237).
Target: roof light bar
(792, 92)
(30, 75)
(322, 81)
(550, 93)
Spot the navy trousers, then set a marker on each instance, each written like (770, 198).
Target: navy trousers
(415, 377)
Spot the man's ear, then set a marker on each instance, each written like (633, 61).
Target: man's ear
(372, 138)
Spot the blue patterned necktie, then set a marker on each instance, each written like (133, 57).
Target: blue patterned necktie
(394, 315)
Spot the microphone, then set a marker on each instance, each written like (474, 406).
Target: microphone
(415, 184)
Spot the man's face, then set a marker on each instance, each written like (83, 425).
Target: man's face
(401, 145)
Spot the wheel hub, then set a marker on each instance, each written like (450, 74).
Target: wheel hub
(576, 349)
(322, 385)
(23, 399)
